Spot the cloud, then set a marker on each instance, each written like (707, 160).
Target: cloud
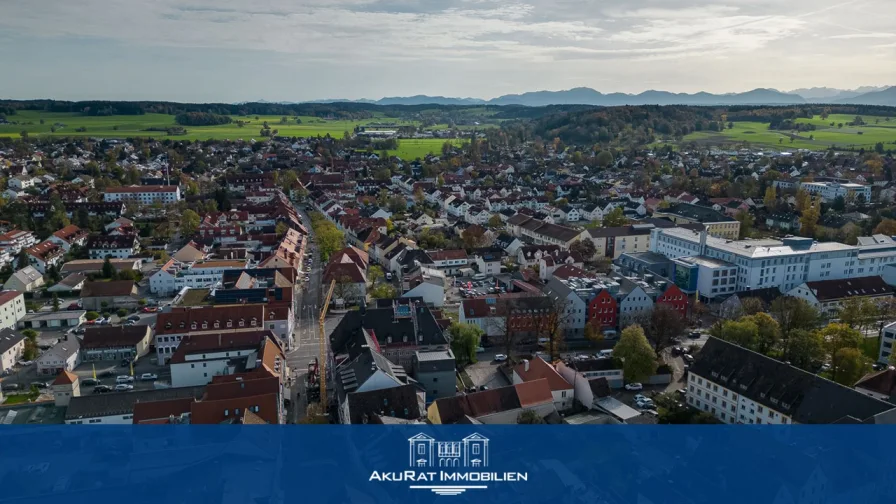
(541, 43)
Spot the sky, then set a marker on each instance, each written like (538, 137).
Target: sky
(295, 50)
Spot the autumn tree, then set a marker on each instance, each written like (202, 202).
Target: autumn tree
(886, 227)
(751, 306)
(809, 220)
(473, 237)
(345, 288)
(747, 221)
(802, 200)
(664, 325)
(850, 365)
(585, 247)
(189, 223)
(637, 356)
(771, 198)
(495, 221)
(615, 218)
(838, 337)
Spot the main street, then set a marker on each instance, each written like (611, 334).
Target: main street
(307, 339)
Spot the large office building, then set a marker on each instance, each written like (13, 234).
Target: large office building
(701, 260)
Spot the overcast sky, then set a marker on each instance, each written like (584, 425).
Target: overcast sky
(291, 50)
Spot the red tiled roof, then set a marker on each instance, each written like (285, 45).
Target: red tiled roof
(199, 343)
(160, 411)
(7, 296)
(181, 320)
(65, 378)
(45, 250)
(70, 233)
(108, 289)
(534, 393)
(539, 369)
(215, 412)
(336, 271)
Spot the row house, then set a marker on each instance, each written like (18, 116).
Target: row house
(144, 195)
(449, 262)
(114, 246)
(173, 326)
(13, 242)
(173, 276)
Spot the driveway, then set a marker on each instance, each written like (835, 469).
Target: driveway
(485, 372)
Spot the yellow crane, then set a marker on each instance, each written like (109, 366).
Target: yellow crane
(322, 365)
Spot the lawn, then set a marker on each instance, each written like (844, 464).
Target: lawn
(20, 398)
(877, 129)
(122, 126)
(410, 149)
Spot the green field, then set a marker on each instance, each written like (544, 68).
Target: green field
(876, 129)
(123, 126)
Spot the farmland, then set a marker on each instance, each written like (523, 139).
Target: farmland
(123, 126)
(840, 135)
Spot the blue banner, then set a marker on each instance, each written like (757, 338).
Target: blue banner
(422, 464)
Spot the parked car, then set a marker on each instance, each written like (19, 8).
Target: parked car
(148, 309)
(10, 386)
(483, 387)
(25, 362)
(40, 384)
(645, 404)
(651, 412)
(102, 389)
(149, 376)
(123, 387)
(688, 358)
(694, 335)
(634, 386)
(74, 306)
(500, 357)
(676, 350)
(480, 350)
(682, 392)
(134, 318)
(124, 379)
(90, 382)
(106, 374)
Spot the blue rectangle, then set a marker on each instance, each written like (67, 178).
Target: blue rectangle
(507, 464)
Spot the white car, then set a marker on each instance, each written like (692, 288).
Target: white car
(123, 387)
(646, 404)
(124, 379)
(480, 350)
(149, 376)
(641, 397)
(500, 357)
(634, 386)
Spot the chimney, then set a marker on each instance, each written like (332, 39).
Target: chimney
(526, 365)
(219, 340)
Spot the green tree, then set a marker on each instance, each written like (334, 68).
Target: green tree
(281, 229)
(495, 221)
(383, 291)
(806, 349)
(615, 218)
(31, 334)
(747, 221)
(91, 315)
(374, 273)
(189, 223)
(850, 366)
(108, 270)
(121, 312)
(638, 357)
(529, 417)
(55, 302)
(768, 334)
(793, 314)
(464, 342)
(22, 260)
(604, 159)
(859, 313)
(838, 337)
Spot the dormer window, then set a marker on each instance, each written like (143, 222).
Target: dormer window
(205, 325)
(193, 325)
(242, 323)
(183, 324)
(217, 324)
(253, 322)
(229, 323)
(168, 325)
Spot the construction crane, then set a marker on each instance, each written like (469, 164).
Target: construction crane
(322, 365)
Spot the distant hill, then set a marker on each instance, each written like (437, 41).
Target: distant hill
(588, 96)
(428, 100)
(833, 95)
(885, 97)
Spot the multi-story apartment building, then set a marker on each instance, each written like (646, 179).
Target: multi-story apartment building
(740, 386)
(12, 309)
(174, 275)
(144, 195)
(716, 224)
(829, 191)
(612, 242)
(14, 241)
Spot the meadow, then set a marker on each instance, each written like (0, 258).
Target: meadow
(876, 130)
(123, 126)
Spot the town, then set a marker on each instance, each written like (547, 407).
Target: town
(499, 280)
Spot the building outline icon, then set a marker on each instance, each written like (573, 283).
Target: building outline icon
(426, 451)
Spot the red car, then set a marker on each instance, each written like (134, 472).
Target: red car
(147, 309)
(74, 306)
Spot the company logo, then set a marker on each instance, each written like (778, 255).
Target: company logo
(448, 467)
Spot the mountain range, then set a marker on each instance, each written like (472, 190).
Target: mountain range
(867, 95)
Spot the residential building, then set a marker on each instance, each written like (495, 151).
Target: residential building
(200, 357)
(716, 224)
(450, 262)
(69, 284)
(427, 284)
(12, 347)
(144, 195)
(173, 276)
(12, 308)
(16, 240)
(100, 296)
(502, 405)
(435, 372)
(879, 385)
(488, 261)
(576, 370)
(829, 191)
(612, 242)
(113, 246)
(536, 369)
(88, 266)
(827, 296)
(70, 236)
(543, 233)
(26, 279)
(888, 338)
(45, 255)
(115, 343)
(172, 327)
(117, 408)
(65, 355)
(737, 385)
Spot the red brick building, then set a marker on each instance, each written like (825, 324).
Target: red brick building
(674, 297)
(602, 310)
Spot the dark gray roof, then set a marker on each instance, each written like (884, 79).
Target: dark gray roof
(9, 339)
(122, 403)
(805, 397)
(826, 290)
(399, 402)
(428, 362)
(696, 213)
